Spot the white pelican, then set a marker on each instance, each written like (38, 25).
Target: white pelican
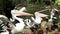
(52, 15)
(4, 18)
(19, 26)
(37, 18)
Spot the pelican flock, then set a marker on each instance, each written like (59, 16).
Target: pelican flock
(19, 26)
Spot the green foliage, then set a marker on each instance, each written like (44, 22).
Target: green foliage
(57, 2)
(28, 1)
(30, 8)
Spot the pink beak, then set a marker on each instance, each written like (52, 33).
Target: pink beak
(18, 13)
(42, 15)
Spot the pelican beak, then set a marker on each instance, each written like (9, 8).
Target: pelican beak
(42, 15)
(17, 13)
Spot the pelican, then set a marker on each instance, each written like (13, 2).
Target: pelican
(37, 18)
(52, 15)
(5, 19)
(19, 26)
